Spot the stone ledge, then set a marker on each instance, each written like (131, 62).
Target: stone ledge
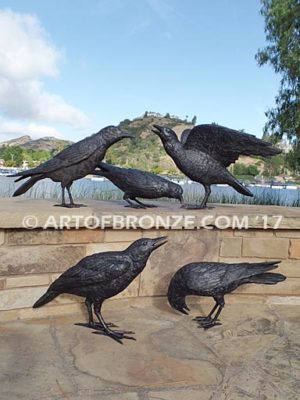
(13, 211)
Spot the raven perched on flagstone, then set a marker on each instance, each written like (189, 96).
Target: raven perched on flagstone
(135, 183)
(205, 152)
(72, 163)
(215, 279)
(101, 276)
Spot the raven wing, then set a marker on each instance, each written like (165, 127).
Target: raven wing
(73, 154)
(209, 276)
(95, 269)
(203, 276)
(185, 135)
(226, 145)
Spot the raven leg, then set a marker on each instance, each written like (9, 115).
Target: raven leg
(91, 324)
(130, 203)
(203, 203)
(116, 335)
(208, 317)
(206, 196)
(72, 204)
(63, 201)
(210, 322)
(144, 204)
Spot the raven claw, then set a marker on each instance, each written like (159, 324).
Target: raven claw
(203, 319)
(134, 206)
(96, 325)
(118, 336)
(70, 205)
(208, 324)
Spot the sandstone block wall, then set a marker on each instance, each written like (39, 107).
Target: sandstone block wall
(31, 259)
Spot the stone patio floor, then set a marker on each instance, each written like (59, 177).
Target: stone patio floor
(255, 354)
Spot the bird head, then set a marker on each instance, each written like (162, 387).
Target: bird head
(114, 134)
(142, 248)
(176, 299)
(176, 192)
(166, 134)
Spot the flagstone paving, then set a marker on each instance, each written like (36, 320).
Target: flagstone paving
(254, 354)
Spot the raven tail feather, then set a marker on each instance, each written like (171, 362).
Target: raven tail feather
(46, 298)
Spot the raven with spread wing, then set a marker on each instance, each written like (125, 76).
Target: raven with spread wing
(215, 280)
(72, 163)
(101, 276)
(205, 152)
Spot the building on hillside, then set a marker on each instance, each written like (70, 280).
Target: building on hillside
(25, 164)
(285, 146)
(154, 114)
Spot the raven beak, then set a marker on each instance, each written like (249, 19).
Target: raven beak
(159, 242)
(157, 129)
(182, 310)
(180, 198)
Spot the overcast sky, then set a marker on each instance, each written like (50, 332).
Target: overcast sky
(70, 67)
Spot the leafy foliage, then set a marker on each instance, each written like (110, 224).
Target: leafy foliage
(242, 170)
(274, 166)
(15, 155)
(282, 27)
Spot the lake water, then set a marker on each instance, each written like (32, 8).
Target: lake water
(105, 190)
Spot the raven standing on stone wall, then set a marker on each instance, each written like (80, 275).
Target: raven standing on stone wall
(74, 162)
(135, 183)
(101, 276)
(205, 152)
(215, 280)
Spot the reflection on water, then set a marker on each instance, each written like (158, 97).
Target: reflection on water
(105, 190)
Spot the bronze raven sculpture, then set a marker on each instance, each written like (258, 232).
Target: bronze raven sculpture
(72, 163)
(205, 152)
(215, 280)
(101, 276)
(135, 183)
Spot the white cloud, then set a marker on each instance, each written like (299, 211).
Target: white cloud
(10, 129)
(25, 49)
(29, 100)
(26, 56)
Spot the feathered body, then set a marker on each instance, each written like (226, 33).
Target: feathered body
(102, 276)
(205, 152)
(74, 162)
(135, 183)
(215, 279)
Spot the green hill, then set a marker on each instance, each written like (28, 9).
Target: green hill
(146, 151)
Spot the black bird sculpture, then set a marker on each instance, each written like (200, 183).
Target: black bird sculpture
(101, 276)
(72, 163)
(215, 279)
(205, 152)
(135, 183)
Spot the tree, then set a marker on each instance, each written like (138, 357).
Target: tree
(293, 158)
(194, 120)
(240, 169)
(167, 115)
(273, 166)
(12, 155)
(282, 26)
